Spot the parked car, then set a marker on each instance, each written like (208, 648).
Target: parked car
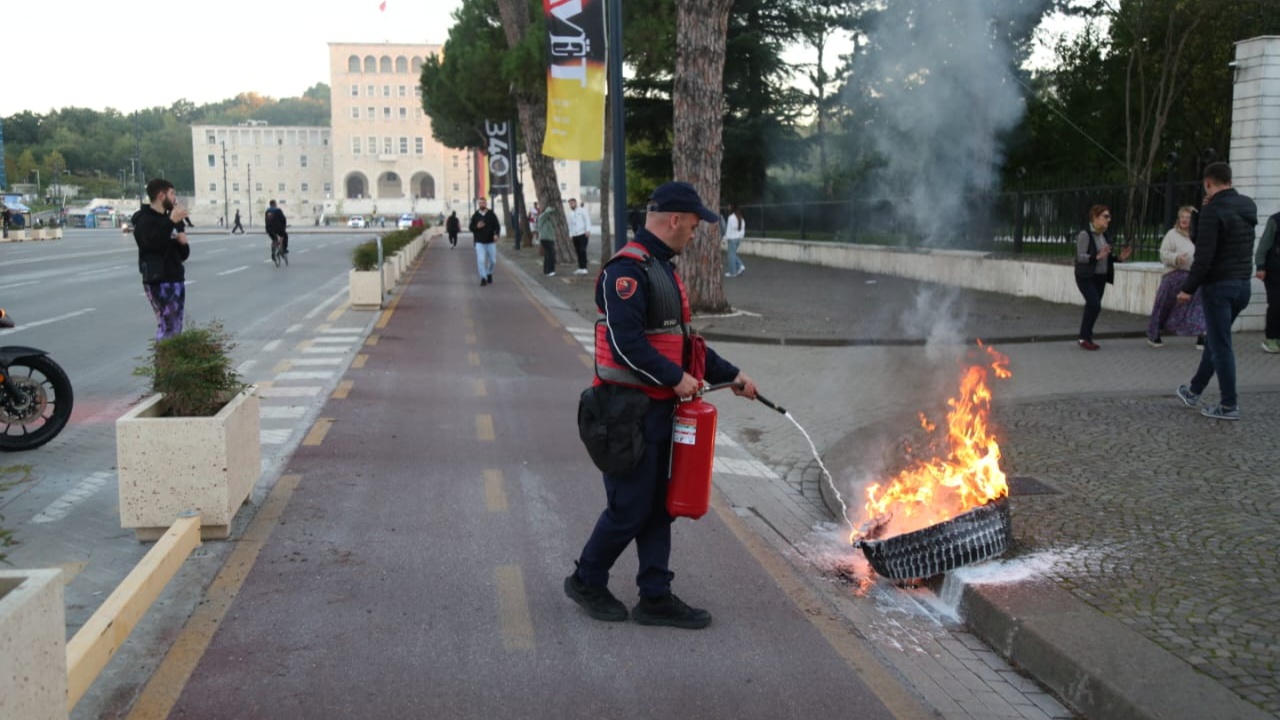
(356, 221)
(406, 221)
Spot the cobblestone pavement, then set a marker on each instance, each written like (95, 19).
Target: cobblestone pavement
(1158, 517)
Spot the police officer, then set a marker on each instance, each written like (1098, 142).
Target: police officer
(643, 341)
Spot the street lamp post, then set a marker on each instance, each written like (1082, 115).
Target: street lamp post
(37, 172)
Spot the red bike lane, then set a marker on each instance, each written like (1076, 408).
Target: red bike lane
(409, 563)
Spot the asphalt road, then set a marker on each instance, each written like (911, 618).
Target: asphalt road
(80, 299)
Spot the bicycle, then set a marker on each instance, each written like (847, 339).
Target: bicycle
(277, 252)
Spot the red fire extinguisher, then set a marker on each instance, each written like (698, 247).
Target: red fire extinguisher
(693, 453)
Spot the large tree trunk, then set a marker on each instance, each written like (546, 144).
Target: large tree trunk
(532, 109)
(698, 147)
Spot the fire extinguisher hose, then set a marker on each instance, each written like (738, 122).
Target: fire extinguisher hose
(731, 384)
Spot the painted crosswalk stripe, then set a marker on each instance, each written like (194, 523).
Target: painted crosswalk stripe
(290, 391)
(281, 412)
(59, 508)
(326, 350)
(274, 437)
(305, 375)
(312, 362)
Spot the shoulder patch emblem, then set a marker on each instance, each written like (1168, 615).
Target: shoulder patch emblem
(626, 287)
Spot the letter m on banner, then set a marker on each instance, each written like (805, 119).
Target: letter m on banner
(575, 79)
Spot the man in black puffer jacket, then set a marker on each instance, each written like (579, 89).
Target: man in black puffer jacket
(1222, 269)
(160, 233)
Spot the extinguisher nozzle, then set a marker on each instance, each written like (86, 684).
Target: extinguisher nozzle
(769, 404)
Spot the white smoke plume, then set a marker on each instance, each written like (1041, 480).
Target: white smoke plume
(937, 84)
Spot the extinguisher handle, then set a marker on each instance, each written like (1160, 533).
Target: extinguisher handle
(770, 405)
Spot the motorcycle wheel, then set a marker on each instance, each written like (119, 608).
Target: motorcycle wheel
(27, 423)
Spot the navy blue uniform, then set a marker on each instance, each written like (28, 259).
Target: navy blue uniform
(637, 508)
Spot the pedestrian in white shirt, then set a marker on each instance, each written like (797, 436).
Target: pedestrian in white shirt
(580, 231)
(735, 230)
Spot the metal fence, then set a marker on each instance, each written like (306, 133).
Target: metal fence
(1040, 221)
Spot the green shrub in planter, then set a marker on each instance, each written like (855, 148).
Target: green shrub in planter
(193, 371)
(364, 256)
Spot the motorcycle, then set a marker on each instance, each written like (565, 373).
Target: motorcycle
(35, 396)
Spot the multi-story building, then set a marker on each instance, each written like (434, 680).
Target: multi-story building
(377, 157)
(242, 167)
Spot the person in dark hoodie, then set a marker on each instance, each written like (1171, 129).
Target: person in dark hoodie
(276, 223)
(1221, 270)
(484, 229)
(159, 231)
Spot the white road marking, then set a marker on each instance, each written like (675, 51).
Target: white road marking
(17, 285)
(294, 391)
(326, 349)
(243, 367)
(274, 437)
(113, 268)
(282, 412)
(305, 375)
(316, 361)
(59, 508)
(332, 298)
(234, 270)
(38, 323)
(294, 328)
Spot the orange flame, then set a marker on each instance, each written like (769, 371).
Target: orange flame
(964, 474)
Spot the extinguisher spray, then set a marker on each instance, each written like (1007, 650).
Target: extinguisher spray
(693, 454)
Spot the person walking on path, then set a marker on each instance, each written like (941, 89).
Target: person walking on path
(580, 230)
(1176, 251)
(236, 225)
(452, 227)
(546, 233)
(485, 228)
(159, 231)
(1267, 259)
(646, 357)
(735, 230)
(1095, 268)
(275, 222)
(1221, 271)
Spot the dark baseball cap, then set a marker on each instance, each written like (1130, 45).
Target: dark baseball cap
(680, 197)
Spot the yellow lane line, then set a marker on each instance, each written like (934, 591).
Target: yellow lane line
(471, 339)
(570, 340)
(316, 435)
(469, 323)
(513, 609)
(481, 390)
(303, 345)
(473, 359)
(323, 327)
(495, 491)
(589, 361)
(343, 390)
(337, 312)
(165, 686)
(837, 632)
(484, 427)
(372, 340)
(360, 360)
(282, 366)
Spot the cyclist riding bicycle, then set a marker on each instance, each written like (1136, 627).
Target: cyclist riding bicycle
(276, 223)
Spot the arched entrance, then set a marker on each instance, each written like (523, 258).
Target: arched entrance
(424, 186)
(357, 186)
(389, 185)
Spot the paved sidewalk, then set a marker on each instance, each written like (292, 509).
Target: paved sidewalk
(1152, 549)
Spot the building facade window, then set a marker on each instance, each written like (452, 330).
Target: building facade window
(404, 145)
(455, 161)
(213, 187)
(355, 146)
(258, 187)
(386, 113)
(373, 145)
(386, 146)
(353, 64)
(355, 113)
(235, 187)
(280, 187)
(328, 188)
(305, 187)
(404, 113)
(417, 145)
(371, 114)
(355, 91)
(368, 91)
(302, 161)
(213, 161)
(404, 91)
(279, 161)
(235, 161)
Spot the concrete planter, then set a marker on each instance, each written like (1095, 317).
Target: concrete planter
(170, 464)
(18, 235)
(390, 274)
(365, 289)
(33, 648)
(57, 233)
(38, 234)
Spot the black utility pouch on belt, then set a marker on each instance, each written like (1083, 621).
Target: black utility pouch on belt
(610, 423)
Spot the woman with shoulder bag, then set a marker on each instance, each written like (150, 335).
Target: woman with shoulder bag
(1095, 268)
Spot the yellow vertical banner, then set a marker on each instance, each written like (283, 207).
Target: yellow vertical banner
(576, 74)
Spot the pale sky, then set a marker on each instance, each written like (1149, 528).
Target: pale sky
(132, 54)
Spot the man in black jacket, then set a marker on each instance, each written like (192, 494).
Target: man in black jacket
(1222, 269)
(484, 228)
(276, 224)
(160, 233)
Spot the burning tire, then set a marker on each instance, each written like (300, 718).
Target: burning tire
(979, 534)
